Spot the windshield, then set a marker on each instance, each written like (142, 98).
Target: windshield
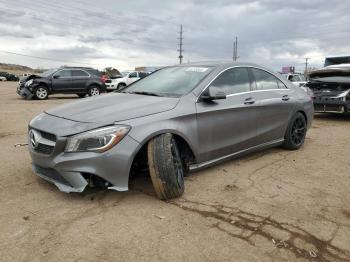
(125, 73)
(171, 81)
(48, 72)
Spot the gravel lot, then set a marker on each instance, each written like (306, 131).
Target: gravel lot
(275, 205)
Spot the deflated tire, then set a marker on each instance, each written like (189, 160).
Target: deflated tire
(165, 165)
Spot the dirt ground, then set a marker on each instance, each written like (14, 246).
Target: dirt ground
(275, 205)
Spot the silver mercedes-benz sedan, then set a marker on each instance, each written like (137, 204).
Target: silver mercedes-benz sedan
(178, 119)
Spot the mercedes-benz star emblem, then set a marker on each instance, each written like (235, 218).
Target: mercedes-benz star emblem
(33, 139)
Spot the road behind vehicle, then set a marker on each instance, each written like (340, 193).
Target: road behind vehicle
(177, 119)
(119, 82)
(67, 80)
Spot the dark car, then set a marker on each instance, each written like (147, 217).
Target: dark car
(66, 80)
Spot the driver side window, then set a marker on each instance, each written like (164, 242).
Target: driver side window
(233, 81)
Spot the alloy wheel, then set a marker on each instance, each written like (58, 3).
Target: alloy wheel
(298, 131)
(41, 93)
(94, 91)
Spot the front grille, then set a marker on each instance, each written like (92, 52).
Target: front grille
(48, 136)
(44, 149)
(42, 142)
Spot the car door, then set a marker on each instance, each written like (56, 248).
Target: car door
(61, 80)
(229, 125)
(133, 76)
(79, 79)
(275, 105)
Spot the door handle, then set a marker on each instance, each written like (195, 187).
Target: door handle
(249, 101)
(285, 98)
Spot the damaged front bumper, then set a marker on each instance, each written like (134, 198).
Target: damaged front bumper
(73, 171)
(24, 92)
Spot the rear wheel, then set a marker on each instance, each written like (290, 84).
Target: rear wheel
(94, 91)
(296, 132)
(165, 166)
(41, 92)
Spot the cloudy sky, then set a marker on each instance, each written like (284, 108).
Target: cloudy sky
(125, 34)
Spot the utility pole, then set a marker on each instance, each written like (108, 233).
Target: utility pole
(180, 44)
(235, 49)
(306, 62)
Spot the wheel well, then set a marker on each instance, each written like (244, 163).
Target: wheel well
(303, 113)
(140, 161)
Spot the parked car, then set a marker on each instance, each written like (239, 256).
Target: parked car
(296, 79)
(119, 82)
(66, 80)
(2, 78)
(9, 76)
(178, 119)
(331, 88)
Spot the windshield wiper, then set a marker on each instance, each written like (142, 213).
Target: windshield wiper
(143, 93)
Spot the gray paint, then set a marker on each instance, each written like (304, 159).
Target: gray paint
(215, 131)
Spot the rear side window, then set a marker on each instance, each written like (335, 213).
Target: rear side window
(233, 81)
(264, 80)
(63, 73)
(281, 85)
(79, 73)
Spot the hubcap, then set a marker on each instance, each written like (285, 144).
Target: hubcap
(94, 91)
(298, 131)
(41, 93)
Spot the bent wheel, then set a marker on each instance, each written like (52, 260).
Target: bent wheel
(296, 132)
(165, 167)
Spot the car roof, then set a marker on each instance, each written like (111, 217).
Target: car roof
(221, 63)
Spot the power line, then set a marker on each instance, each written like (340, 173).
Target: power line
(44, 58)
(180, 44)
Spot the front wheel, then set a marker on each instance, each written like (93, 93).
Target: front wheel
(120, 86)
(296, 132)
(41, 92)
(94, 91)
(165, 166)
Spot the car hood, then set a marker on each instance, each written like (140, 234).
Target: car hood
(113, 107)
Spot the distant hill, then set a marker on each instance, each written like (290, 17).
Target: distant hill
(16, 69)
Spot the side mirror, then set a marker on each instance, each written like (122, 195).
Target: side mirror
(213, 93)
(56, 76)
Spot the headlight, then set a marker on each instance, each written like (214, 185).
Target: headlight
(98, 140)
(28, 83)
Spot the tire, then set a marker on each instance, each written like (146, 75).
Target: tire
(94, 90)
(120, 86)
(296, 132)
(41, 92)
(165, 166)
(81, 95)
